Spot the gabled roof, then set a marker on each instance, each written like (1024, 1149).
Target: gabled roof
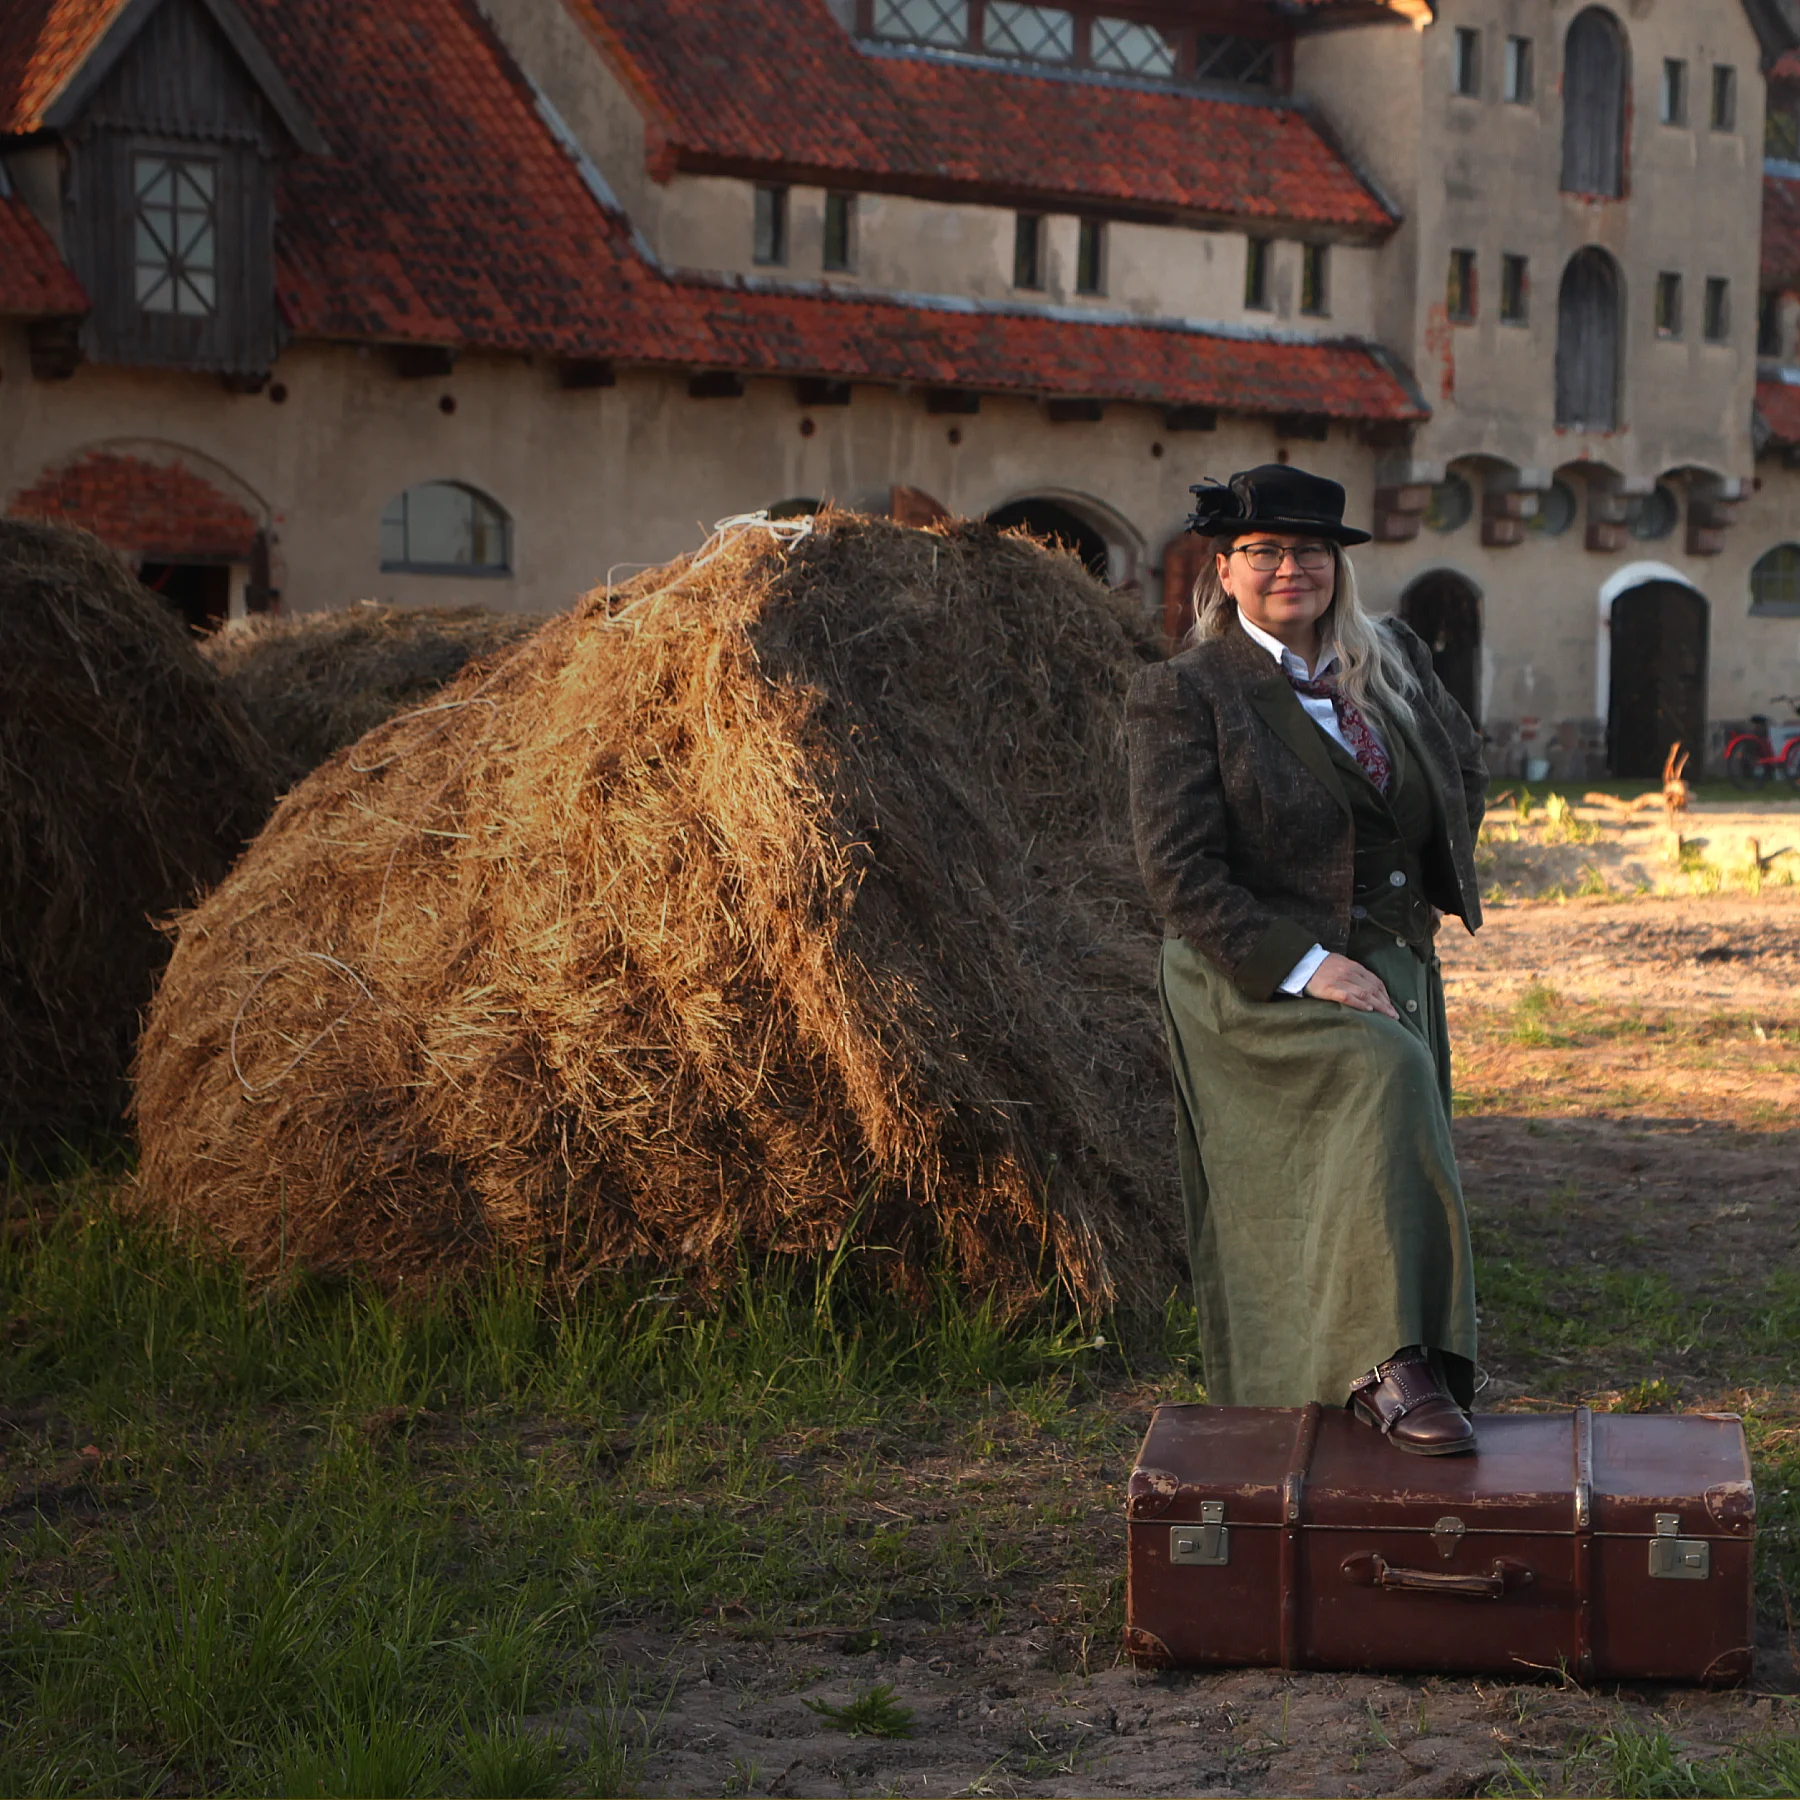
(447, 213)
(778, 86)
(35, 283)
(55, 53)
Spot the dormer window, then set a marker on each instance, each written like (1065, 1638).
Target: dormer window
(1031, 33)
(1132, 49)
(176, 235)
(1083, 34)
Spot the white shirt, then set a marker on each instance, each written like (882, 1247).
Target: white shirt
(1324, 715)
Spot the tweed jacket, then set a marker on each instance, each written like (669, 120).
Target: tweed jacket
(1242, 820)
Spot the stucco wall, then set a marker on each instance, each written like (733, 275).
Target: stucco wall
(615, 478)
(908, 246)
(1486, 176)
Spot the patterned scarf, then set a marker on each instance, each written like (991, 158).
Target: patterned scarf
(1365, 746)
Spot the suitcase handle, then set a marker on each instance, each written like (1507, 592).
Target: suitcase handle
(1376, 1571)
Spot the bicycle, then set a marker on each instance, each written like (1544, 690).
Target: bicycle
(1767, 749)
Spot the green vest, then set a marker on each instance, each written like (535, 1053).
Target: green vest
(1392, 832)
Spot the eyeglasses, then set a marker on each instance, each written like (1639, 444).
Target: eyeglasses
(1265, 559)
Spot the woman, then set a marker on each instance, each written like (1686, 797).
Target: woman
(1305, 797)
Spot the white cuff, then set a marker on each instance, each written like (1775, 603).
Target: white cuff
(1304, 970)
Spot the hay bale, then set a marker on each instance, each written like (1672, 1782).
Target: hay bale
(129, 779)
(782, 894)
(313, 683)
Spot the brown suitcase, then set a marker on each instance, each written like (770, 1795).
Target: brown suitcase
(1603, 1545)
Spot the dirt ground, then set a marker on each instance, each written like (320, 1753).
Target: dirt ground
(1629, 1085)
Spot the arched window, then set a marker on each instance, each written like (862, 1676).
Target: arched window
(446, 528)
(1594, 105)
(1587, 343)
(1775, 584)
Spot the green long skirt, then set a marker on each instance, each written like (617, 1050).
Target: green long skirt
(1324, 1214)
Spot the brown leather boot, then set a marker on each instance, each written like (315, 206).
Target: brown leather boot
(1405, 1398)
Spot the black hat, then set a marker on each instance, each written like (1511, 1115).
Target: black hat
(1274, 497)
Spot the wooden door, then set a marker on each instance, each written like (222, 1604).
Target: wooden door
(1593, 160)
(1658, 696)
(1587, 343)
(1445, 610)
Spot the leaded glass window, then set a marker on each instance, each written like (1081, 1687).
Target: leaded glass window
(175, 239)
(1247, 62)
(942, 24)
(444, 528)
(1131, 49)
(1036, 33)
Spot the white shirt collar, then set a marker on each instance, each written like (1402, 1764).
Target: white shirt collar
(1288, 659)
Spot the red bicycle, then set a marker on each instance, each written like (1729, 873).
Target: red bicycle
(1766, 750)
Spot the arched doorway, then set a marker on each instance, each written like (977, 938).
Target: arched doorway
(1658, 686)
(1444, 608)
(1051, 519)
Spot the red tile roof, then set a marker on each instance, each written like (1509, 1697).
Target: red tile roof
(34, 282)
(1778, 410)
(158, 511)
(447, 214)
(1781, 233)
(862, 338)
(42, 44)
(779, 85)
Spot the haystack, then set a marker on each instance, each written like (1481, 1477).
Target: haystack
(777, 901)
(313, 683)
(129, 779)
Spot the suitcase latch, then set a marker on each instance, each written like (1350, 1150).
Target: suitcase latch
(1675, 1558)
(1206, 1545)
(1447, 1534)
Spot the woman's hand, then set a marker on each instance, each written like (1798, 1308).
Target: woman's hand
(1350, 984)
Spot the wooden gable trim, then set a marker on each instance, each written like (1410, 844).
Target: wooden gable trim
(131, 19)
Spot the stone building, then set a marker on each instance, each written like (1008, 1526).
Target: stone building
(303, 301)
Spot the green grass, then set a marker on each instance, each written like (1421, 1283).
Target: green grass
(875, 1712)
(310, 1542)
(314, 1543)
(1648, 1765)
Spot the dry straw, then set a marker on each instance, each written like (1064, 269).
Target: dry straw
(775, 896)
(129, 779)
(313, 683)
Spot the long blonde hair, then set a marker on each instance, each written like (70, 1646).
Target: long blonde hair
(1372, 668)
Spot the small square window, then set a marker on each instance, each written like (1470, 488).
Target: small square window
(1515, 290)
(1256, 274)
(1724, 97)
(1315, 279)
(770, 247)
(1717, 324)
(1518, 70)
(1674, 91)
(1459, 293)
(840, 231)
(1465, 61)
(1090, 257)
(1028, 251)
(1668, 305)
(1768, 324)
